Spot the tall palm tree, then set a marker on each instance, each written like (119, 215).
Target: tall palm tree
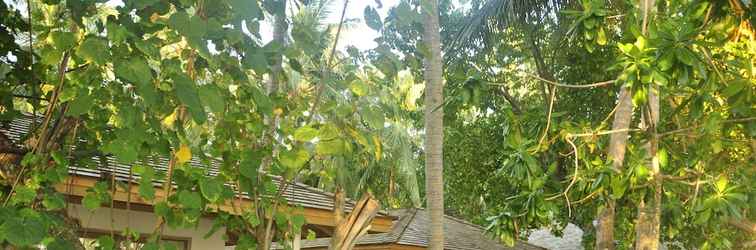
(434, 125)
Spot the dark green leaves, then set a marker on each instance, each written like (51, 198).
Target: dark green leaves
(211, 96)
(191, 27)
(63, 40)
(137, 71)
(94, 49)
(187, 94)
(372, 19)
(190, 199)
(247, 9)
(146, 176)
(81, 104)
(212, 189)
(24, 228)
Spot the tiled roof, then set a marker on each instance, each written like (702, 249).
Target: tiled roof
(296, 194)
(412, 229)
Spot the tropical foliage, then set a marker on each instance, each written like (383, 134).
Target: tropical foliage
(532, 94)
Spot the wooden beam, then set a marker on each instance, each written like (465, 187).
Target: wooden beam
(77, 186)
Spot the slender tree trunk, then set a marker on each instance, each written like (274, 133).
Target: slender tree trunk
(434, 127)
(617, 145)
(280, 30)
(647, 227)
(263, 236)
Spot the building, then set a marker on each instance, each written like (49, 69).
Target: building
(398, 229)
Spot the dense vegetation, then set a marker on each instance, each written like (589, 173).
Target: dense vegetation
(634, 120)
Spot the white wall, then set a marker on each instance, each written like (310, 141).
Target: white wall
(144, 222)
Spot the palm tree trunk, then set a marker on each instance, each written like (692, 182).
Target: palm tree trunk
(434, 126)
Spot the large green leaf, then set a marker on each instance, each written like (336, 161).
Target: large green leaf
(294, 159)
(211, 96)
(372, 19)
(94, 49)
(63, 40)
(26, 230)
(211, 189)
(305, 133)
(187, 94)
(190, 199)
(247, 9)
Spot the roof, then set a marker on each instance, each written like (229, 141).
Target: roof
(297, 194)
(412, 229)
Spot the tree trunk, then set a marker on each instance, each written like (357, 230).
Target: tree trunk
(434, 126)
(617, 144)
(262, 235)
(280, 30)
(647, 227)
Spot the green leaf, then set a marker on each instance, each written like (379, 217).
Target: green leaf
(331, 147)
(721, 183)
(305, 133)
(211, 96)
(328, 132)
(372, 19)
(618, 187)
(373, 116)
(663, 157)
(141, 4)
(117, 34)
(685, 56)
(256, 60)
(53, 201)
(81, 104)
(247, 9)
(264, 105)
(23, 231)
(148, 48)
(601, 36)
(146, 176)
(193, 27)
(60, 244)
(187, 94)
(294, 159)
(94, 49)
(105, 242)
(24, 195)
(190, 199)
(63, 40)
(91, 201)
(124, 150)
(137, 71)
(211, 189)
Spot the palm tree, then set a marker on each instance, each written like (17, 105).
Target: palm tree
(434, 126)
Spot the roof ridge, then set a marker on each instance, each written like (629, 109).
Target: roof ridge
(406, 222)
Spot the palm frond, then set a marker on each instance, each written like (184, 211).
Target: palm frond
(485, 20)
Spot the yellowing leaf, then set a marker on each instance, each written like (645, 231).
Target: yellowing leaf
(184, 154)
(46, 88)
(169, 120)
(721, 183)
(378, 150)
(410, 100)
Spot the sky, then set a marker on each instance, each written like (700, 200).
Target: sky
(360, 35)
